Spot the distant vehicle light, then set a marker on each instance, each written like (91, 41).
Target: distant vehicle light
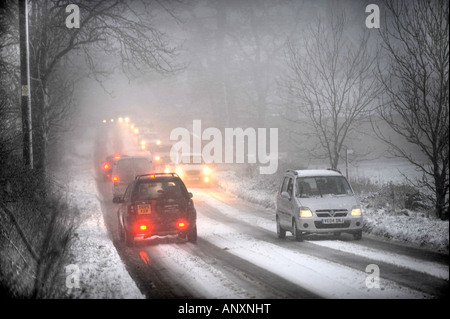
(143, 227)
(167, 171)
(158, 142)
(157, 158)
(136, 131)
(106, 166)
(104, 121)
(112, 120)
(120, 119)
(132, 126)
(143, 142)
(206, 179)
(206, 170)
(127, 119)
(179, 171)
(117, 157)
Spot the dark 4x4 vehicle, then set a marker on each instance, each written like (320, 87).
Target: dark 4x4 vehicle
(156, 204)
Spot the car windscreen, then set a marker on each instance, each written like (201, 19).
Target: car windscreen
(149, 190)
(321, 186)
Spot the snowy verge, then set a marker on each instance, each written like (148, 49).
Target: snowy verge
(102, 274)
(424, 232)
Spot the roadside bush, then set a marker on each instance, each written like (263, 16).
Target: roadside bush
(36, 226)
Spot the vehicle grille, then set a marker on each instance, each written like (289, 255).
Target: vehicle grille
(319, 225)
(331, 213)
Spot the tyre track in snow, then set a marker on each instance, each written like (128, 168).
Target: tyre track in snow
(410, 278)
(260, 282)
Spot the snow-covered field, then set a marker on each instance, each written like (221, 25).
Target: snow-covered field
(413, 228)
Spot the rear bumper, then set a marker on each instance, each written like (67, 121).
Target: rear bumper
(141, 226)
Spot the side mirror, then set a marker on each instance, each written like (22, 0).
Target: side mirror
(190, 195)
(117, 200)
(285, 195)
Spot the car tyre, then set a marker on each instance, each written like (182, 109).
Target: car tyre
(121, 230)
(281, 233)
(298, 236)
(192, 236)
(128, 238)
(357, 235)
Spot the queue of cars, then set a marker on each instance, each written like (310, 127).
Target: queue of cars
(154, 200)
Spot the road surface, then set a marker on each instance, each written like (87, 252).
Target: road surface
(238, 255)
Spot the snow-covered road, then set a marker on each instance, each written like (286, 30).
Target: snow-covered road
(239, 256)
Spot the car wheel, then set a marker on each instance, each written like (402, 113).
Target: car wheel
(192, 236)
(129, 238)
(358, 235)
(280, 231)
(120, 230)
(298, 236)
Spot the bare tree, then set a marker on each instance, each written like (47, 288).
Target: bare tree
(416, 80)
(330, 84)
(119, 32)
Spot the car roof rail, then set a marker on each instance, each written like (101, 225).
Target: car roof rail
(334, 169)
(156, 174)
(293, 171)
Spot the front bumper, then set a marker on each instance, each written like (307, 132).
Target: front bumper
(317, 225)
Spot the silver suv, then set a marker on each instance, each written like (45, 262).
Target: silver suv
(317, 201)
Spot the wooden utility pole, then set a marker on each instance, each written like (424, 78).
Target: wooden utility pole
(25, 83)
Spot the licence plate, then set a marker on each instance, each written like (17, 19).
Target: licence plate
(144, 209)
(333, 221)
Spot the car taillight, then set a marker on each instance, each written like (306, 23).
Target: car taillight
(182, 224)
(142, 227)
(105, 166)
(115, 179)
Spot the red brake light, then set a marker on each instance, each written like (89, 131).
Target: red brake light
(182, 224)
(141, 227)
(117, 157)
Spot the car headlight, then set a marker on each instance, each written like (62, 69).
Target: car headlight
(305, 212)
(206, 171)
(356, 211)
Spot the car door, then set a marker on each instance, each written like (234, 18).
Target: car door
(289, 202)
(126, 200)
(284, 203)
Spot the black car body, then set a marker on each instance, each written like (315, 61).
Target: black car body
(156, 205)
(107, 166)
